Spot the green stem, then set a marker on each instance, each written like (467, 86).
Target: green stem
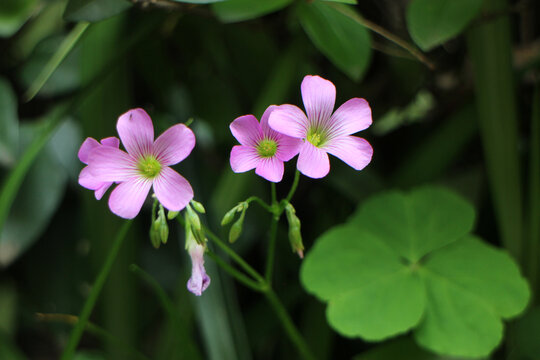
(260, 202)
(94, 330)
(288, 325)
(235, 273)
(294, 186)
(271, 250)
(78, 330)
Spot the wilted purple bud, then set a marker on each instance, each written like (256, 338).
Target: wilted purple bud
(199, 280)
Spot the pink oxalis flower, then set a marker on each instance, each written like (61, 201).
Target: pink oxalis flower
(85, 178)
(323, 132)
(199, 280)
(262, 148)
(144, 165)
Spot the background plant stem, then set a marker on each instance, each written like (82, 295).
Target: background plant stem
(74, 338)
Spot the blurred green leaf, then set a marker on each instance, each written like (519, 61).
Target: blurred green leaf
(8, 309)
(199, 1)
(526, 330)
(403, 349)
(240, 10)
(94, 10)
(411, 253)
(13, 14)
(38, 197)
(9, 124)
(352, 2)
(432, 22)
(341, 39)
(87, 355)
(8, 350)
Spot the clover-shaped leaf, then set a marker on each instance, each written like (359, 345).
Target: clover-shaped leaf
(406, 261)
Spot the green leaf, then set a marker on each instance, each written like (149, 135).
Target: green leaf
(199, 1)
(39, 195)
(415, 228)
(405, 261)
(94, 10)
(341, 39)
(432, 22)
(352, 2)
(240, 10)
(13, 14)
(9, 124)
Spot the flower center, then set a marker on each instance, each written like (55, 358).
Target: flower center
(316, 138)
(149, 167)
(266, 148)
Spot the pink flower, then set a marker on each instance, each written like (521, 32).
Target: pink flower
(145, 165)
(199, 280)
(85, 178)
(262, 148)
(323, 132)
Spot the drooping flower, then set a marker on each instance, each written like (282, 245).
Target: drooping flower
(199, 280)
(262, 148)
(322, 131)
(85, 178)
(145, 165)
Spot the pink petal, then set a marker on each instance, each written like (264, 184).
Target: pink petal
(312, 161)
(243, 158)
(112, 141)
(288, 147)
(136, 132)
(319, 96)
(199, 280)
(351, 117)
(289, 120)
(87, 146)
(111, 164)
(246, 129)
(87, 180)
(267, 130)
(101, 191)
(271, 169)
(354, 151)
(172, 190)
(174, 145)
(127, 199)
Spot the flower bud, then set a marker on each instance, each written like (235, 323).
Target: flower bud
(229, 216)
(193, 218)
(236, 228)
(295, 236)
(155, 236)
(171, 215)
(163, 227)
(198, 207)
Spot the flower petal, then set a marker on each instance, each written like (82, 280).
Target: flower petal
(319, 96)
(354, 151)
(127, 199)
(136, 132)
(112, 141)
(87, 180)
(267, 130)
(288, 147)
(101, 191)
(243, 158)
(110, 164)
(174, 145)
(351, 117)
(199, 280)
(289, 120)
(246, 129)
(271, 169)
(87, 146)
(312, 161)
(172, 190)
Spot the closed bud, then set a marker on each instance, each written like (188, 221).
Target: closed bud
(229, 216)
(236, 228)
(193, 218)
(198, 207)
(172, 214)
(295, 236)
(155, 236)
(163, 227)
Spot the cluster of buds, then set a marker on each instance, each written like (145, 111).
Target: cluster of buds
(236, 228)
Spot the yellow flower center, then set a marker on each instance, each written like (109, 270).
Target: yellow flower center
(149, 167)
(266, 148)
(316, 137)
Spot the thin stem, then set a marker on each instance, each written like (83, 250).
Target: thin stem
(288, 325)
(274, 196)
(259, 201)
(293, 186)
(235, 273)
(384, 33)
(92, 329)
(271, 250)
(78, 330)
